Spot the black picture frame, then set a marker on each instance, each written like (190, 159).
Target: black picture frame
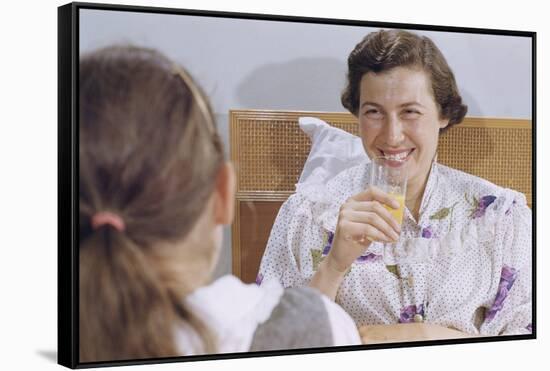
(68, 166)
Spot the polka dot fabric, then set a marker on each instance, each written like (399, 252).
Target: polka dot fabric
(475, 234)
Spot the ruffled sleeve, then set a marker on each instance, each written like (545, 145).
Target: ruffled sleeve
(304, 228)
(510, 311)
(292, 235)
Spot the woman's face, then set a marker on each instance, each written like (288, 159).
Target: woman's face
(398, 117)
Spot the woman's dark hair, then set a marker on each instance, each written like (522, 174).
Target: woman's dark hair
(149, 152)
(386, 49)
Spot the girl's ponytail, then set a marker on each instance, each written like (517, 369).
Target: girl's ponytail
(125, 310)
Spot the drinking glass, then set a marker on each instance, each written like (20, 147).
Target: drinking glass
(389, 174)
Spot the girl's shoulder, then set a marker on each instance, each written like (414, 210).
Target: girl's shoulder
(304, 318)
(251, 317)
(232, 310)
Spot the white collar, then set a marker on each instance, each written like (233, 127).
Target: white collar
(232, 311)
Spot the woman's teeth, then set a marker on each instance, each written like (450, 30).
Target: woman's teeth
(397, 156)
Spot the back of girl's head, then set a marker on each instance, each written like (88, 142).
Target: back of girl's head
(149, 153)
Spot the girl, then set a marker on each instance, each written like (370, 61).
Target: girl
(155, 191)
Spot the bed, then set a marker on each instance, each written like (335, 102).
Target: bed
(269, 151)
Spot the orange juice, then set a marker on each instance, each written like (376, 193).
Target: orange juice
(397, 213)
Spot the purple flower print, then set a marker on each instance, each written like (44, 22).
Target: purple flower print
(508, 276)
(328, 245)
(529, 327)
(486, 201)
(428, 232)
(510, 208)
(368, 257)
(259, 279)
(481, 205)
(408, 313)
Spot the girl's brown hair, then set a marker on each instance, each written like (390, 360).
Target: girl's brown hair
(386, 49)
(149, 152)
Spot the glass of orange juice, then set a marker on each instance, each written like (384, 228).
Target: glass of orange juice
(390, 175)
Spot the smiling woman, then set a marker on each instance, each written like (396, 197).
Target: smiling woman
(472, 237)
(400, 118)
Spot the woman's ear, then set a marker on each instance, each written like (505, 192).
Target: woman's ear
(224, 195)
(443, 123)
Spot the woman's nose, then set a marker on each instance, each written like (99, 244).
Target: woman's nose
(394, 130)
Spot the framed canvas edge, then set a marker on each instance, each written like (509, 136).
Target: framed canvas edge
(67, 278)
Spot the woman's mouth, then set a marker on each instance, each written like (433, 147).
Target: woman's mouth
(397, 155)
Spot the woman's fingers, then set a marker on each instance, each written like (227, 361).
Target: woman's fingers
(373, 225)
(376, 194)
(377, 208)
(375, 200)
(362, 220)
(364, 233)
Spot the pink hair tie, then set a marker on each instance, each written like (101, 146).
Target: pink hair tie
(107, 218)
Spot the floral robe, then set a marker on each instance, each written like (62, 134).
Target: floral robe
(473, 240)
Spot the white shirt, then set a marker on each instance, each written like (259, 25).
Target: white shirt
(233, 310)
(475, 274)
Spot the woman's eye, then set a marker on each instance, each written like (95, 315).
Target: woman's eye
(411, 113)
(373, 113)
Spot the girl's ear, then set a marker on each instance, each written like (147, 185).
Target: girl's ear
(224, 195)
(443, 123)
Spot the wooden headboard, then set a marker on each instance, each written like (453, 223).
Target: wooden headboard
(269, 150)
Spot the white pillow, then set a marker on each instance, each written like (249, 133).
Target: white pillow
(332, 151)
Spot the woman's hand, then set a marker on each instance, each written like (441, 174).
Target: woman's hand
(395, 333)
(362, 220)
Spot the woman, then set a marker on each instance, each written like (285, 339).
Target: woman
(155, 191)
(404, 95)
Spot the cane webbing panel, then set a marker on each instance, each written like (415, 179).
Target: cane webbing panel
(491, 150)
(269, 149)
